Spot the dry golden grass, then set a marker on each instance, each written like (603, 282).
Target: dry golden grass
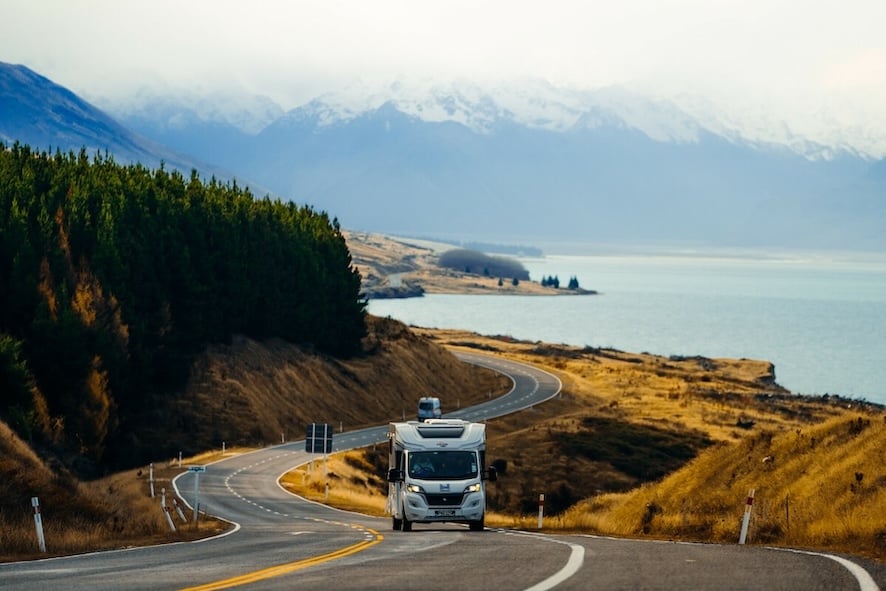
(353, 483)
(242, 396)
(824, 488)
(255, 394)
(822, 484)
(110, 513)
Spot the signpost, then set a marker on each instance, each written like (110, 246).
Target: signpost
(319, 440)
(196, 470)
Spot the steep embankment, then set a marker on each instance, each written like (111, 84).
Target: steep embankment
(249, 393)
(642, 445)
(822, 486)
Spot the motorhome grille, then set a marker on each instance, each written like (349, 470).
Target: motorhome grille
(453, 500)
(440, 431)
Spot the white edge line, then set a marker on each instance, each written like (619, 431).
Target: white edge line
(865, 580)
(572, 566)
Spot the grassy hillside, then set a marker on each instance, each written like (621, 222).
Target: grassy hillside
(641, 445)
(821, 486)
(636, 445)
(248, 393)
(79, 516)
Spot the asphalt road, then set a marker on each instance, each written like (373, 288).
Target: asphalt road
(282, 542)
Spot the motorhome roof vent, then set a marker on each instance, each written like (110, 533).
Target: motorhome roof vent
(431, 431)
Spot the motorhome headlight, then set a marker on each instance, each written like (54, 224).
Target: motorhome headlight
(473, 488)
(414, 488)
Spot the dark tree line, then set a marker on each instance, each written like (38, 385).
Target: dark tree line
(113, 278)
(554, 281)
(478, 263)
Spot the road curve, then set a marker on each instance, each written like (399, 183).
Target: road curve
(283, 542)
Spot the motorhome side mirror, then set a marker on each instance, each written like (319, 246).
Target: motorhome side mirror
(491, 474)
(395, 475)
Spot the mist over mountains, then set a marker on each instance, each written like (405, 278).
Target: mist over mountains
(525, 164)
(48, 117)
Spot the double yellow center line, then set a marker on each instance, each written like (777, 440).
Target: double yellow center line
(283, 569)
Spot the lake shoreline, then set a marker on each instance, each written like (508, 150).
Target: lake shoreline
(394, 268)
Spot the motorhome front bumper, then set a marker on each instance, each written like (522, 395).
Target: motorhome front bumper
(457, 507)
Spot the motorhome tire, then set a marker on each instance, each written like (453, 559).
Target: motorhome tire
(397, 524)
(407, 525)
(477, 525)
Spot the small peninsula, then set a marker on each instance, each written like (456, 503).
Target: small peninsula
(394, 267)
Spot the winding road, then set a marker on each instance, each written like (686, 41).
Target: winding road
(279, 541)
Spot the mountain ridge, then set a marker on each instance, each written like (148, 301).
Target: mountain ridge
(530, 102)
(464, 166)
(617, 172)
(47, 116)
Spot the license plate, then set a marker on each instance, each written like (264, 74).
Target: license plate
(444, 513)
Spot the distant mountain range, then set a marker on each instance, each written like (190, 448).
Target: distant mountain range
(37, 112)
(523, 165)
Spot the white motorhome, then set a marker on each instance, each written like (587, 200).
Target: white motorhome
(437, 473)
(429, 408)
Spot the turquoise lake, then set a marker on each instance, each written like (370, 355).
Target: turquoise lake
(820, 319)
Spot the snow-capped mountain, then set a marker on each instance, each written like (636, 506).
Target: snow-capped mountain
(169, 109)
(36, 111)
(529, 162)
(533, 103)
(618, 168)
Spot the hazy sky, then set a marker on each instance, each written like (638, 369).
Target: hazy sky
(797, 57)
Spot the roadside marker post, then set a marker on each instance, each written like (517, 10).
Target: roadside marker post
(178, 509)
(151, 478)
(196, 470)
(167, 511)
(541, 509)
(38, 522)
(747, 518)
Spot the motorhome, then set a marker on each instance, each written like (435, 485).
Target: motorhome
(437, 473)
(429, 408)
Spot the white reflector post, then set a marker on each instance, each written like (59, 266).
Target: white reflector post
(747, 517)
(38, 522)
(541, 509)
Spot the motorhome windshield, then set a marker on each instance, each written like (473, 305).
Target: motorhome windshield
(443, 465)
